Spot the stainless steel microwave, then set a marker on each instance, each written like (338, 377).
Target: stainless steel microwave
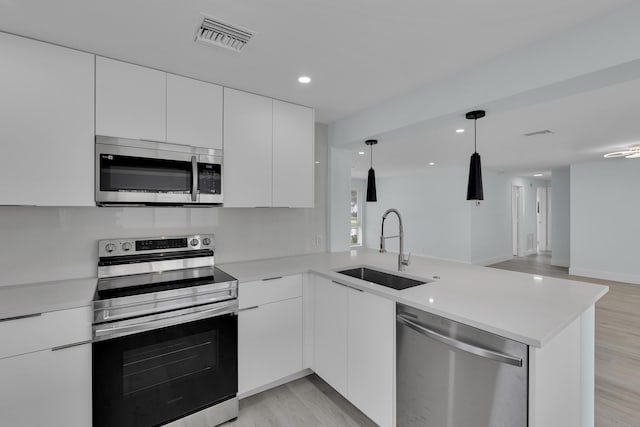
(138, 172)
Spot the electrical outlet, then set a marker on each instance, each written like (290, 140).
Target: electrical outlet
(318, 240)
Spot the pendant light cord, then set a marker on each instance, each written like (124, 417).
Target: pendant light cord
(475, 135)
(371, 156)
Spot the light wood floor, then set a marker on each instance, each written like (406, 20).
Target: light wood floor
(617, 342)
(306, 402)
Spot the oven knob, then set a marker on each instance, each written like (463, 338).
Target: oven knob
(110, 247)
(194, 242)
(126, 246)
(206, 241)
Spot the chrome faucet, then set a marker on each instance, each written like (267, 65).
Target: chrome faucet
(402, 259)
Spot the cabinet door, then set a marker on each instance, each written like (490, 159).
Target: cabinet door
(331, 333)
(269, 343)
(47, 388)
(47, 108)
(293, 155)
(247, 179)
(371, 352)
(130, 101)
(194, 112)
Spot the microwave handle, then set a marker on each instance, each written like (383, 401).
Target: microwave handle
(194, 178)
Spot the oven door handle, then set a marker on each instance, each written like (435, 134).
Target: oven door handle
(194, 178)
(161, 321)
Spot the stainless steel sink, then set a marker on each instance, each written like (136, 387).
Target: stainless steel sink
(383, 278)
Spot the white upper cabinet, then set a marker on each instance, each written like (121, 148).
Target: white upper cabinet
(130, 100)
(268, 152)
(47, 124)
(248, 128)
(293, 155)
(194, 112)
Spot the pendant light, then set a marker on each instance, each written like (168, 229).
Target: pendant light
(371, 179)
(474, 188)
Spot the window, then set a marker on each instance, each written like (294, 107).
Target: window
(356, 218)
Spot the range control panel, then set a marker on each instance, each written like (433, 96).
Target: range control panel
(132, 246)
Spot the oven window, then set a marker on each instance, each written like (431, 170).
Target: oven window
(155, 377)
(154, 366)
(126, 173)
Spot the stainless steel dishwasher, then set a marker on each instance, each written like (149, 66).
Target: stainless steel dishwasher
(453, 375)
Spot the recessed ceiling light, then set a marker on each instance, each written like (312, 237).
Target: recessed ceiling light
(317, 162)
(537, 174)
(432, 164)
(459, 130)
(361, 153)
(304, 79)
(538, 278)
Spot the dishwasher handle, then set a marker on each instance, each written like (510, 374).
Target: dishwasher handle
(460, 345)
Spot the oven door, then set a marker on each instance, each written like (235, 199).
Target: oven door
(160, 375)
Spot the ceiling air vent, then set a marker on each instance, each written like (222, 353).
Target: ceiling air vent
(539, 132)
(215, 32)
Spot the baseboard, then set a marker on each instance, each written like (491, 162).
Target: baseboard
(605, 275)
(559, 262)
(494, 260)
(276, 383)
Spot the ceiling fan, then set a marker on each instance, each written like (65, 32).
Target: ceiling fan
(632, 153)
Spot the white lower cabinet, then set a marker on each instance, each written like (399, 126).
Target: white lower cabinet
(47, 388)
(355, 347)
(331, 333)
(371, 355)
(269, 331)
(269, 343)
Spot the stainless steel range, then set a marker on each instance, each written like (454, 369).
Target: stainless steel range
(165, 334)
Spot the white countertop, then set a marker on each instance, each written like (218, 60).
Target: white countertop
(43, 297)
(527, 308)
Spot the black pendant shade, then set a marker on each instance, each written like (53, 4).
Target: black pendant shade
(371, 179)
(474, 187)
(371, 186)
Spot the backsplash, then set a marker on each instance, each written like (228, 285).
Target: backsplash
(57, 243)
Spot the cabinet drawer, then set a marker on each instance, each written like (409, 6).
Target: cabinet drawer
(45, 331)
(269, 290)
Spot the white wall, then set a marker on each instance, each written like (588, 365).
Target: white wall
(491, 221)
(339, 198)
(438, 220)
(560, 217)
(434, 211)
(605, 225)
(40, 243)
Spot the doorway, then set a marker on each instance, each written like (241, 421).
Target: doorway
(516, 218)
(542, 218)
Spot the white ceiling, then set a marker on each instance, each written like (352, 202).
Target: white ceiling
(358, 52)
(586, 125)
